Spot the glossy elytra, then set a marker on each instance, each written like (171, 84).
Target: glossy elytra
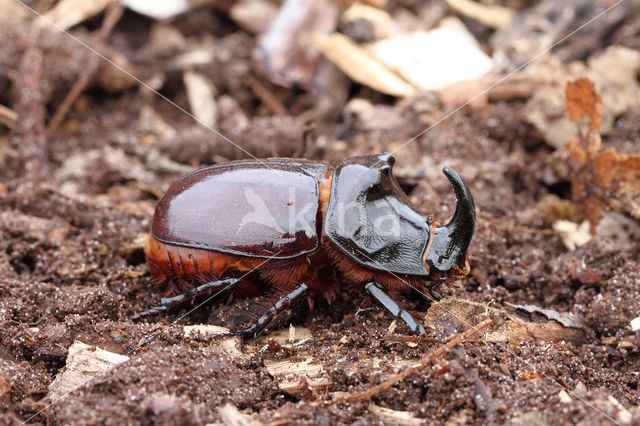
(302, 229)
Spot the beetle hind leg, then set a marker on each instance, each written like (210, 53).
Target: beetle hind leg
(208, 289)
(392, 306)
(300, 292)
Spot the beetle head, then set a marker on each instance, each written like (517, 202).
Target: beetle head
(450, 242)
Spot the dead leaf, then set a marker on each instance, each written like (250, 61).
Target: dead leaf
(619, 175)
(604, 174)
(506, 326)
(286, 52)
(583, 101)
(424, 58)
(556, 208)
(599, 179)
(620, 228)
(567, 319)
(613, 72)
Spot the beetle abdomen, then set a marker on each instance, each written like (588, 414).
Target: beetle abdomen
(185, 267)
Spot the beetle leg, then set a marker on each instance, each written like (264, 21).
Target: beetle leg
(434, 286)
(392, 306)
(203, 290)
(300, 292)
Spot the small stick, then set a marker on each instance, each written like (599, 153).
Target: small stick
(268, 98)
(8, 116)
(412, 368)
(111, 18)
(28, 132)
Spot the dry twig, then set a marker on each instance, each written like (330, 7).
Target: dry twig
(29, 104)
(111, 18)
(8, 117)
(267, 97)
(412, 368)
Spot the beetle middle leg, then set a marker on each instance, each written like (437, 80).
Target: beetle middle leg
(392, 306)
(173, 303)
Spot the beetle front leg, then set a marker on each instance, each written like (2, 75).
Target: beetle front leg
(444, 280)
(392, 306)
(203, 290)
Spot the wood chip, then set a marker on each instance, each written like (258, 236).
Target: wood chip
(230, 344)
(492, 16)
(635, 324)
(284, 336)
(231, 416)
(625, 344)
(297, 377)
(286, 367)
(361, 66)
(198, 56)
(166, 36)
(564, 397)
(254, 16)
(68, 13)
(166, 9)
(623, 416)
(393, 417)
(84, 363)
(11, 9)
(200, 94)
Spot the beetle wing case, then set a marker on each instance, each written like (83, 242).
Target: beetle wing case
(250, 208)
(369, 218)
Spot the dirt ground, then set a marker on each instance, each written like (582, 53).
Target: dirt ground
(77, 197)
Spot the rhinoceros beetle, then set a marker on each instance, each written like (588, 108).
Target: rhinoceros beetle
(299, 228)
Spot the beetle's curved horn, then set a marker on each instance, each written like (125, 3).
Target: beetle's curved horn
(449, 249)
